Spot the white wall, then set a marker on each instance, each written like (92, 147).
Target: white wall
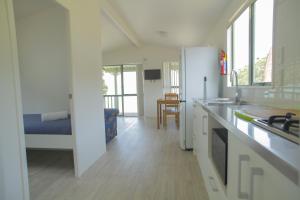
(285, 89)
(151, 57)
(13, 170)
(44, 60)
(86, 58)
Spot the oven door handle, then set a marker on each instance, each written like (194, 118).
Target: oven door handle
(242, 158)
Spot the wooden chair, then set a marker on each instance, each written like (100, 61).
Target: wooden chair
(171, 96)
(171, 108)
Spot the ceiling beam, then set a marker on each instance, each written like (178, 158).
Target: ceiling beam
(65, 3)
(120, 22)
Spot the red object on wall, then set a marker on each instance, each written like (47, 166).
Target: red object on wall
(223, 62)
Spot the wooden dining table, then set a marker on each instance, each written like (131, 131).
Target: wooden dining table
(160, 102)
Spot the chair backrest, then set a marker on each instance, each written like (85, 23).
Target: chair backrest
(171, 96)
(172, 104)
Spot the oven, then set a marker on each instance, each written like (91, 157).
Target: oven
(220, 152)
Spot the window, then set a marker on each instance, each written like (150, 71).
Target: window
(241, 47)
(175, 79)
(249, 44)
(171, 77)
(262, 41)
(229, 50)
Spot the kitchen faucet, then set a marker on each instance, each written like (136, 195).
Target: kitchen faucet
(237, 92)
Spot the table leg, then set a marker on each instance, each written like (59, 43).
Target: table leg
(157, 115)
(160, 115)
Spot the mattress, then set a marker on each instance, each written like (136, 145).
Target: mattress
(34, 125)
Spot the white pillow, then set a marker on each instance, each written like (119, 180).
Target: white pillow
(51, 116)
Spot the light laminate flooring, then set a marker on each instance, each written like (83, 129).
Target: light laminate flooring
(142, 163)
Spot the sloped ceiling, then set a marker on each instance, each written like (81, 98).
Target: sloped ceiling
(112, 37)
(172, 23)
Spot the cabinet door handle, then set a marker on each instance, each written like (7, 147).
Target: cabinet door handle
(255, 171)
(242, 195)
(213, 184)
(203, 125)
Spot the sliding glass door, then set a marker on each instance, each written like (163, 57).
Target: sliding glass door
(130, 90)
(120, 88)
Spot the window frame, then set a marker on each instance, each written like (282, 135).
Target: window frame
(174, 87)
(251, 41)
(170, 78)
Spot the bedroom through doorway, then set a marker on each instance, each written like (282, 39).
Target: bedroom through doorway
(43, 44)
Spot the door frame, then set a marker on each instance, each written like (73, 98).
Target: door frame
(16, 137)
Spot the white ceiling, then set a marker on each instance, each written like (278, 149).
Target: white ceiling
(112, 37)
(163, 22)
(180, 22)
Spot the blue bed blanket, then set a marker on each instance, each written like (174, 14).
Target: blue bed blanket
(34, 125)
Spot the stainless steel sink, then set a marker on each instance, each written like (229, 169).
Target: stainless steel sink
(225, 101)
(221, 103)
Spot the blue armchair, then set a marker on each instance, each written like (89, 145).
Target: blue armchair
(110, 115)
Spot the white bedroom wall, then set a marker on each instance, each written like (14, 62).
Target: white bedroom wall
(86, 58)
(44, 60)
(13, 170)
(151, 57)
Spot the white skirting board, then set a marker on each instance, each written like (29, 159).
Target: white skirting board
(49, 141)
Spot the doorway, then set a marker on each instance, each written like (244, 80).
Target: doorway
(120, 88)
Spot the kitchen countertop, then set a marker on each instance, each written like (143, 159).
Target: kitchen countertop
(279, 152)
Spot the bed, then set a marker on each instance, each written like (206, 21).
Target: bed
(56, 134)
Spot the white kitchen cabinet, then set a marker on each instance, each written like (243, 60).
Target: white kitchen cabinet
(238, 169)
(203, 155)
(201, 126)
(253, 178)
(213, 187)
(267, 183)
(201, 139)
(196, 129)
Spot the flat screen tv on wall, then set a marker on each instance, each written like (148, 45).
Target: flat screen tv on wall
(152, 74)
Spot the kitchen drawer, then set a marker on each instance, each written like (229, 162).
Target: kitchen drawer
(253, 178)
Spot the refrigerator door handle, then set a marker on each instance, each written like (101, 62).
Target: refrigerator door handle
(182, 101)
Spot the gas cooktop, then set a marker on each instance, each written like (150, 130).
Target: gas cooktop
(286, 126)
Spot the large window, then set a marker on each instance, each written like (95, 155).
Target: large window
(249, 44)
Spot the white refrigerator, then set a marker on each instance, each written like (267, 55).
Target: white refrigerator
(196, 64)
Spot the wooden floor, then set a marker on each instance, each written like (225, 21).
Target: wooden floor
(141, 163)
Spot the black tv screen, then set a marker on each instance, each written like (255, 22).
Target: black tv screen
(152, 74)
